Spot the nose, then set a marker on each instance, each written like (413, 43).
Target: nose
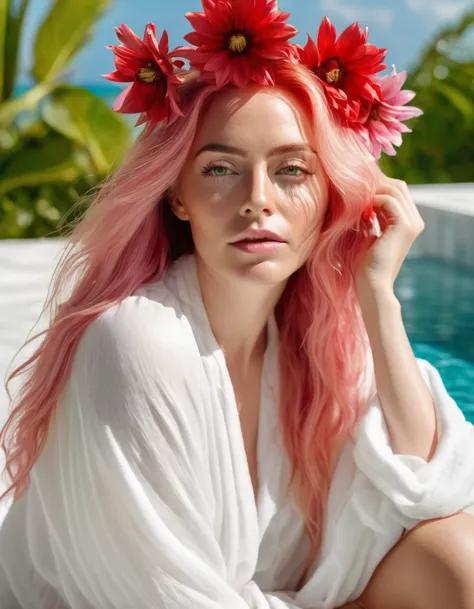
(260, 196)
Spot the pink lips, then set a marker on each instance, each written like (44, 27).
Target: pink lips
(257, 241)
(258, 247)
(259, 233)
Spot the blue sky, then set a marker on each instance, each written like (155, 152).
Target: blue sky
(401, 26)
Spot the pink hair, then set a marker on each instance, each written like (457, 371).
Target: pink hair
(128, 237)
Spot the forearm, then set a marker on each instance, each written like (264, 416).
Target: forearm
(406, 401)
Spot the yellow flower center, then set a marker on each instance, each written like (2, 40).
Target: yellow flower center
(332, 71)
(237, 43)
(333, 75)
(149, 73)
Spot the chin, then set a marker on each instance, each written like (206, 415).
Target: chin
(265, 271)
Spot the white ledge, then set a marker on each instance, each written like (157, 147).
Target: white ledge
(451, 198)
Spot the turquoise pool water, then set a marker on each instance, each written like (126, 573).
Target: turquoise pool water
(438, 311)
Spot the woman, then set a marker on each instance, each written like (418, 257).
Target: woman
(225, 410)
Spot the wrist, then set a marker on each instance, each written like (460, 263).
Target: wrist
(373, 295)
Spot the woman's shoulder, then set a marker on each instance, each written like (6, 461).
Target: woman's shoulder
(147, 326)
(141, 354)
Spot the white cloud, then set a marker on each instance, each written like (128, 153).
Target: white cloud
(440, 10)
(382, 16)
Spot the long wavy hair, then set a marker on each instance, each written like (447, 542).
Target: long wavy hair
(128, 237)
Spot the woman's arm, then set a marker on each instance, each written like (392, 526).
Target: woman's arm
(406, 400)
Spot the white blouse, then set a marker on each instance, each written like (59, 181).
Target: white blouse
(142, 497)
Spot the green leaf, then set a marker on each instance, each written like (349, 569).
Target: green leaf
(4, 12)
(51, 161)
(457, 98)
(80, 115)
(11, 18)
(65, 30)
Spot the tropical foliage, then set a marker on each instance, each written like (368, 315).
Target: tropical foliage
(441, 147)
(57, 141)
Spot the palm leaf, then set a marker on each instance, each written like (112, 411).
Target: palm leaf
(83, 117)
(11, 25)
(51, 161)
(4, 12)
(65, 30)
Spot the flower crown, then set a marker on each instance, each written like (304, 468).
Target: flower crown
(239, 42)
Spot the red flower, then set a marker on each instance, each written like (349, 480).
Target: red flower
(237, 41)
(345, 66)
(148, 66)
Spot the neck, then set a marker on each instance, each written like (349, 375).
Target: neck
(238, 312)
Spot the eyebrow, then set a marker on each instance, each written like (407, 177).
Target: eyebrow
(216, 147)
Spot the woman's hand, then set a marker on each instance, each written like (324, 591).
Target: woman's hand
(400, 224)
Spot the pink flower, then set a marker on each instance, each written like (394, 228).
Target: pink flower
(381, 123)
(148, 66)
(237, 40)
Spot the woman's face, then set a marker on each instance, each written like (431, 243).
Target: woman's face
(252, 166)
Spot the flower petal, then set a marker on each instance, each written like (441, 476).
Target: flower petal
(349, 41)
(201, 24)
(326, 36)
(200, 39)
(128, 55)
(216, 62)
(223, 76)
(129, 68)
(238, 76)
(361, 86)
(121, 99)
(117, 76)
(140, 96)
(164, 43)
(129, 39)
(309, 55)
(401, 98)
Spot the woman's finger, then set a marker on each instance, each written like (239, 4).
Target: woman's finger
(400, 188)
(389, 210)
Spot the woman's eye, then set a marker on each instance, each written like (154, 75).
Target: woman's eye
(218, 171)
(293, 170)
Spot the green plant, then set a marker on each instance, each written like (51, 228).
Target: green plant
(440, 149)
(57, 141)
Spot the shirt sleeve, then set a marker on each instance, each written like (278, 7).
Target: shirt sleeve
(123, 485)
(417, 489)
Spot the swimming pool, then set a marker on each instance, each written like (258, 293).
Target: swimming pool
(437, 300)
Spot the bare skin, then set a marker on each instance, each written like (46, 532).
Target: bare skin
(431, 567)
(222, 194)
